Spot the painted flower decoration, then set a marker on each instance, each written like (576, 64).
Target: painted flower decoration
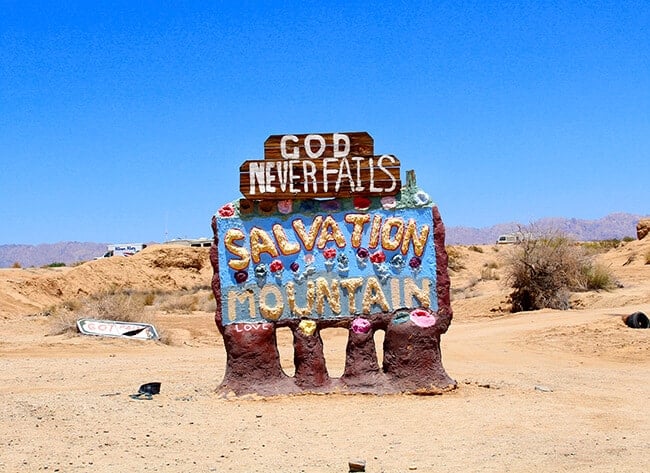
(415, 262)
(307, 206)
(388, 202)
(342, 263)
(261, 270)
(423, 318)
(309, 258)
(397, 262)
(378, 257)
(382, 272)
(227, 210)
(330, 205)
(276, 266)
(329, 253)
(422, 198)
(245, 206)
(294, 267)
(361, 203)
(267, 207)
(401, 317)
(363, 253)
(361, 325)
(285, 206)
(241, 277)
(307, 327)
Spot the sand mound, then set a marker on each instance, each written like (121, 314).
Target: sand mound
(157, 268)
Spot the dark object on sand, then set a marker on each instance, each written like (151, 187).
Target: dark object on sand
(357, 465)
(637, 320)
(147, 390)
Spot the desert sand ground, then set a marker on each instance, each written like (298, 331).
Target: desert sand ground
(539, 391)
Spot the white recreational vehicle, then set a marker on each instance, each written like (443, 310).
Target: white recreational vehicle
(516, 237)
(123, 249)
(193, 242)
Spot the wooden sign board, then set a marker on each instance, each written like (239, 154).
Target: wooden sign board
(279, 179)
(318, 145)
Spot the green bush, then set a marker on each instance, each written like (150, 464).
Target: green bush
(597, 277)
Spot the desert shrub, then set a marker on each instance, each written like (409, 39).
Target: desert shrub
(543, 271)
(16, 265)
(54, 265)
(596, 277)
(126, 307)
(208, 303)
(454, 259)
(601, 246)
(179, 303)
(489, 271)
(628, 239)
(149, 298)
(466, 291)
(475, 248)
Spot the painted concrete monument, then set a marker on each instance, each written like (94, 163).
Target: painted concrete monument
(326, 236)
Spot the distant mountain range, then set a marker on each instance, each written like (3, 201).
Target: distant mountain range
(617, 225)
(68, 252)
(612, 226)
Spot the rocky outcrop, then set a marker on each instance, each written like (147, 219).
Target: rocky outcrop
(643, 228)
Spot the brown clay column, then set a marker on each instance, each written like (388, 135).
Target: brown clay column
(362, 371)
(308, 357)
(252, 357)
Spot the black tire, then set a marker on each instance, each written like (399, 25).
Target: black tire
(637, 320)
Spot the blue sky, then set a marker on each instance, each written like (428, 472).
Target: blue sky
(128, 121)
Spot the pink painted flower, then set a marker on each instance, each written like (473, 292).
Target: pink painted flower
(227, 210)
(378, 257)
(360, 325)
(285, 206)
(423, 318)
(388, 202)
(276, 265)
(329, 253)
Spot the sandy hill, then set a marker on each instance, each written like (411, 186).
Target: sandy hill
(156, 268)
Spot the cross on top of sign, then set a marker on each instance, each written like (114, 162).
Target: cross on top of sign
(319, 165)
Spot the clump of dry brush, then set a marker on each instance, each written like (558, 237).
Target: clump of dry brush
(544, 270)
(129, 306)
